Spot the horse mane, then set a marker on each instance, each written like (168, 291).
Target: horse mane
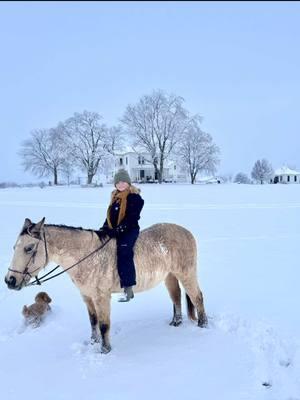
(70, 228)
(73, 228)
(76, 229)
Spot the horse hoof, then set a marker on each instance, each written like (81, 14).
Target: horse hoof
(175, 322)
(105, 349)
(202, 321)
(95, 341)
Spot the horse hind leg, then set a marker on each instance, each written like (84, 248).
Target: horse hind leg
(194, 299)
(175, 294)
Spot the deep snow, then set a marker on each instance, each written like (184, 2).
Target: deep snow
(248, 244)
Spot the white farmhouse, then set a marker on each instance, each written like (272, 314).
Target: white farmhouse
(286, 175)
(141, 170)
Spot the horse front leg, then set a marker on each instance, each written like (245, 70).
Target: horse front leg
(102, 305)
(95, 336)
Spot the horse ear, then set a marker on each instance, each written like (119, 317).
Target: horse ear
(26, 226)
(27, 223)
(38, 227)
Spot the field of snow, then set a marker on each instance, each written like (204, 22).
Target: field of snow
(248, 243)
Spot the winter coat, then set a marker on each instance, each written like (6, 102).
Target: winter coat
(134, 207)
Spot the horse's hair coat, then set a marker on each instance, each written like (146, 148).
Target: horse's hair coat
(162, 252)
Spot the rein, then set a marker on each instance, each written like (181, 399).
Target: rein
(39, 281)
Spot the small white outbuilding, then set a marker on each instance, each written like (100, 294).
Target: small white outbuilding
(285, 175)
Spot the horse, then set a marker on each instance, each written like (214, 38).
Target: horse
(163, 251)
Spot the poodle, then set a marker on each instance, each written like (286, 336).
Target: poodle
(35, 313)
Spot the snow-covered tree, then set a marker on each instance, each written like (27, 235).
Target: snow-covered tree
(114, 140)
(45, 153)
(242, 178)
(87, 138)
(227, 177)
(114, 143)
(68, 169)
(196, 151)
(262, 171)
(156, 123)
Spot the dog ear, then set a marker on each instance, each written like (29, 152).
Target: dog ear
(47, 298)
(25, 311)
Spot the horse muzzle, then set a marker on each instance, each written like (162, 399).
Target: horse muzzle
(12, 283)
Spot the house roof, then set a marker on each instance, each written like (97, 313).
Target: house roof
(286, 171)
(129, 149)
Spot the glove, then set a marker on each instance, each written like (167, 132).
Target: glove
(116, 232)
(111, 233)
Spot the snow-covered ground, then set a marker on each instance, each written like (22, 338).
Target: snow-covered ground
(248, 242)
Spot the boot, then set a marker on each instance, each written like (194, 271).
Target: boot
(127, 295)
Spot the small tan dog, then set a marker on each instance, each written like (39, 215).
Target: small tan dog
(35, 313)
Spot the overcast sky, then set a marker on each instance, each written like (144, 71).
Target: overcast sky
(235, 63)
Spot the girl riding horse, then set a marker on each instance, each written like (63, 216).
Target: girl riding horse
(121, 223)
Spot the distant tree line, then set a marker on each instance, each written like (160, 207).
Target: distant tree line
(262, 172)
(82, 141)
(157, 124)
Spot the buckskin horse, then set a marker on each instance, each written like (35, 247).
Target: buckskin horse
(162, 251)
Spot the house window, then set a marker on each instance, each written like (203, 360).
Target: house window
(139, 159)
(295, 178)
(288, 178)
(121, 161)
(280, 178)
(174, 166)
(126, 160)
(143, 160)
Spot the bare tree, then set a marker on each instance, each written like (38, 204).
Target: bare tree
(45, 152)
(227, 177)
(156, 124)
(114, 143)
(68, 169)
(88, 141)
(262, 171)
(114, 139)
(197, 152)
(242, 178)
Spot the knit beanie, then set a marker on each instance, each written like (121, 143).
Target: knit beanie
(122, 175)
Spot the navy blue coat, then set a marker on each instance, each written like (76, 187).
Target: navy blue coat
(134, 207)
(126, 234)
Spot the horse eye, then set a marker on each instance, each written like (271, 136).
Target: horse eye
(28, 249)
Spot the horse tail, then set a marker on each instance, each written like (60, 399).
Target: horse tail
(190, 308)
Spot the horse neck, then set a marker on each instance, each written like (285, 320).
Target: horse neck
(66, 245)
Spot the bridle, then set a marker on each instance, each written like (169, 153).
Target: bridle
(39, 281)
(32, 257)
